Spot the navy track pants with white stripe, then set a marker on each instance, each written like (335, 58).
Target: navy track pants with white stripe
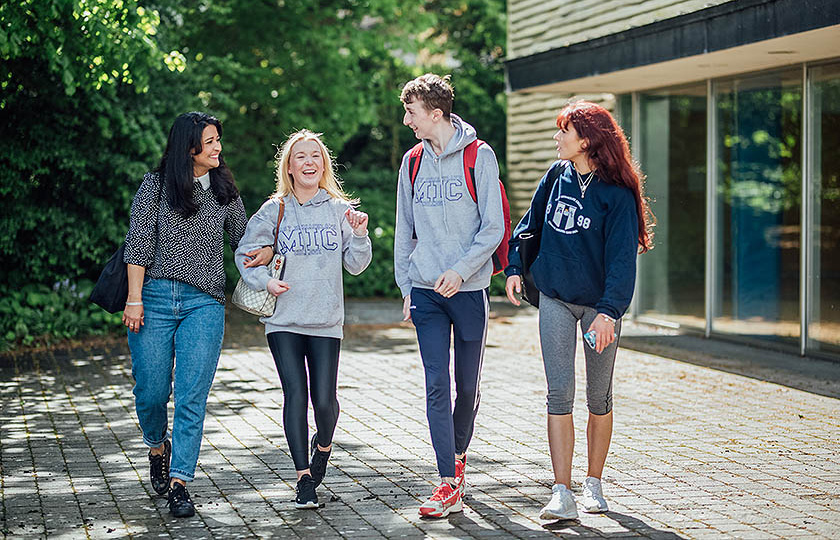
(434, 318)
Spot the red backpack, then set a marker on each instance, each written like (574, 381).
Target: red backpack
(500, 257)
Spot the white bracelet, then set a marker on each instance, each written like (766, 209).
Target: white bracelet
(134, 303)
(607, 318)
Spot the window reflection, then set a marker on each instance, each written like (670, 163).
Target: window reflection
(759, 198)
(673, 156)
(824, 281)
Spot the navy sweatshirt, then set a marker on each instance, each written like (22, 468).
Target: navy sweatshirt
(589, 243)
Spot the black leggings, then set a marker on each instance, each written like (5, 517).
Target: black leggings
(292, 354)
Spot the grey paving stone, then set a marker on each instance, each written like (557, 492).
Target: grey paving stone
(697, 452)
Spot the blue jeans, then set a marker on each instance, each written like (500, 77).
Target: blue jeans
(183, 329)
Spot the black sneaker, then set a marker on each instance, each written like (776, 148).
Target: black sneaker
(305, 490)
(180, 505)
(159, 468)
(318, 465)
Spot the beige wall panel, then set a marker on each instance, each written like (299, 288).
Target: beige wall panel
(536, 26)
(530, 148)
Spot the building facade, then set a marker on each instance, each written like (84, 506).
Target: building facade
(733, 110)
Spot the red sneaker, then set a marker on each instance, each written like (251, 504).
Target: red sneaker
(443, 502)
(460, 481)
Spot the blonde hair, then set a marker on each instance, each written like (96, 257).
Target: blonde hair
(329, 180)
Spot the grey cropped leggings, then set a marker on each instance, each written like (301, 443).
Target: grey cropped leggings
(558, 340)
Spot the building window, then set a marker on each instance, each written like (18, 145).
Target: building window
(759, 179)
(824, 179)
(624, 115)
(672, 151)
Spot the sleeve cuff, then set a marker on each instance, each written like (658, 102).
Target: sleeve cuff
(608, 311)
(461, 272)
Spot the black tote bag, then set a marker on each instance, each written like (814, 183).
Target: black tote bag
(111, 289)
(529, 247)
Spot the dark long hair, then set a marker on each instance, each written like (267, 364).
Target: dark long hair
(606, 147)
(176, 165)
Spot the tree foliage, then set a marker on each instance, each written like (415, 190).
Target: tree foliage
(89, 88)
(80, 124)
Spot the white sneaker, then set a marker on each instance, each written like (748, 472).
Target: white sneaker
(561, 505)
(593, 498)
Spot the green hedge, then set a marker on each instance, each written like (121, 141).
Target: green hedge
(40, 315)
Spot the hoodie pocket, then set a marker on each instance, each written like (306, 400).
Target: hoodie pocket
(429, 260)
(309, 304)
(565, 278)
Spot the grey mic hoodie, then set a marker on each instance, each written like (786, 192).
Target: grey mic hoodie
(316, 239)
(453, 231)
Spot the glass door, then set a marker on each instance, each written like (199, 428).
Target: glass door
(823, 284)
(757, 222)
(672, 152)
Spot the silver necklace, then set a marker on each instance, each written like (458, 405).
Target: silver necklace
(584, 184)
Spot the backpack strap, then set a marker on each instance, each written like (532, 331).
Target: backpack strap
(470, 157)
(414, 159)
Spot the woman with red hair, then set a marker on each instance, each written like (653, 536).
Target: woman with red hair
(592, 218)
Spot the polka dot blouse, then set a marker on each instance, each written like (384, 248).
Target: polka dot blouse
(189, 250)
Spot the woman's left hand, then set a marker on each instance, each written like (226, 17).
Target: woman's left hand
(604, 332)
(358, 221)
(258, 257)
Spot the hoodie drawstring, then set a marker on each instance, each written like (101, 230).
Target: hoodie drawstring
(443, 192)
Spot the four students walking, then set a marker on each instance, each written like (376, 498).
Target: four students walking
(589, 207)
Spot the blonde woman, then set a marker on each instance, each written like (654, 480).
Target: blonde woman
(319, 232)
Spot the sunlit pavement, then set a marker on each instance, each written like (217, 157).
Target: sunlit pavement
(703, 447)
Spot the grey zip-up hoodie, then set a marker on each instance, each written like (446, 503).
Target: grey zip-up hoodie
(453, 231)
(316, 239)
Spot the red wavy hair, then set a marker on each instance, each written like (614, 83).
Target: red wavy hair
(606, 147)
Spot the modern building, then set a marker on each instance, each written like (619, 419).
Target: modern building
(733, 110)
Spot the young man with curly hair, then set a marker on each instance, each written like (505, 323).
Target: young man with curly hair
(448, 227)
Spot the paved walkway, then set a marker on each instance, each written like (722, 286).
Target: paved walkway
(697, 452)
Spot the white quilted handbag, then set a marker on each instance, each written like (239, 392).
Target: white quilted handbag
(262, 302)
(259, 302)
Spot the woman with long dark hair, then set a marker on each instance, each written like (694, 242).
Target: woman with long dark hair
(593, 218)
(176, 294)
(319, 233)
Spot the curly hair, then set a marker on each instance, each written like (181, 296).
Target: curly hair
(607, 148)
(433, 90)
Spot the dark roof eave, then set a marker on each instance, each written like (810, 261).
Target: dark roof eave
(716, 28)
